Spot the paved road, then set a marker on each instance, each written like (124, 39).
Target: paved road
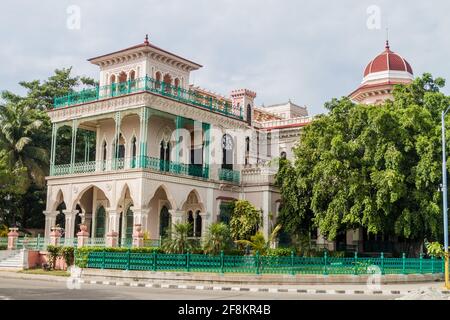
(46, 290)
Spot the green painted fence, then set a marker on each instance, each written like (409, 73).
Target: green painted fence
(257, 264)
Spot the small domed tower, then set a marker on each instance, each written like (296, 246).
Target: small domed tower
(380, 76)
(244, 99)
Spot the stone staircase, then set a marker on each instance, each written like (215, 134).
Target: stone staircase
(13, 259)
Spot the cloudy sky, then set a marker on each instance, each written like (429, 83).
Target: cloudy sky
(306, 51)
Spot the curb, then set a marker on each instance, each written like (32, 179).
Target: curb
(248, 289)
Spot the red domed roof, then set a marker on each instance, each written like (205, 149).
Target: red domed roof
(387, 61)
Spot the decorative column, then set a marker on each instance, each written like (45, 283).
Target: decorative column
(207, 133)
(13, 235)
(113, 225)
(55, 236)
(70, 216)
(205, 222)
(177, 216)
(138, 236)
(74, 144)
(144, 115)
(140, 217)
(50, 221)
(117, 120)
(83, 236)
(178, 125)
(53, 148)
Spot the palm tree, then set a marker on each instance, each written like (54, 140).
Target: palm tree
(217, 238)
(258, 242)
(20, 130)
(178, 240)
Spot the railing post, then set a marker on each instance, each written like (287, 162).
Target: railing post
(145, 82)
(155, 260)
(37, 241)
(325, 263)
(222, 262)
(128, 259)
(258, 271)
(188, 258)
(292, 263)
(103, 258)
(403, 263)
(420, 263)
(432, 264)
(355, 269)
(382, 262)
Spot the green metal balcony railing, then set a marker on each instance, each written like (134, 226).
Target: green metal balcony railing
(200, 171)
(147, 84)
(229, 175)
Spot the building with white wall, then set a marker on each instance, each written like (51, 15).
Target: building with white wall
(165, 151)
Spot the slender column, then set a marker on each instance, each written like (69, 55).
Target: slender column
(117, 119)
(207, 133)
(74, 144)
(205, 223)
(140, 217)
(143, 137)
(177, 216)
(178, 124)
(113, 228)
(70, 223)
(50, 221)
(53, 148)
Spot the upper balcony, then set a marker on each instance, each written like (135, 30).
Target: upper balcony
(148, 84)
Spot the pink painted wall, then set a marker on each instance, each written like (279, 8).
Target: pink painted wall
(37, 258)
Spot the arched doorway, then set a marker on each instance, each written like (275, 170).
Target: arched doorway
(191, 222)
(164, 222)
(77, 221)
(198, 225)
(60, 220)
(133, 152)
(100, 217)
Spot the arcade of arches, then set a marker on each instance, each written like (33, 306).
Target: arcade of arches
(93, 208)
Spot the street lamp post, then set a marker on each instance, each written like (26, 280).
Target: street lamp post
(444, 198)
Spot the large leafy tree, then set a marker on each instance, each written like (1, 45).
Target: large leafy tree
(25, 136)
(245, 220)
(376, 167)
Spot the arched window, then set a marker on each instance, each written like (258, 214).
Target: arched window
(249, 114)
(133, 152)
(283, 155)
(104, 154)
(112, 81)
(176, 83)
(100, 222)
(167, 83)
(227, 152)
(122, 83)
(190, 220)
(164, 155)
(132, 79)
(198, 225)
(164, 222)
(158, 80)
(247, 150)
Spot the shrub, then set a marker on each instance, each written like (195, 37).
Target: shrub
(280, 252)
(53, 254)
(218, 238)
(67, 253)
(435, 249)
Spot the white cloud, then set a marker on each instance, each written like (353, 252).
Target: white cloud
(301, 50)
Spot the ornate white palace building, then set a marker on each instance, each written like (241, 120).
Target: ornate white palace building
(165, 151)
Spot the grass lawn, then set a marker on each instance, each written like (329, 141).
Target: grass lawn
(61, 273)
